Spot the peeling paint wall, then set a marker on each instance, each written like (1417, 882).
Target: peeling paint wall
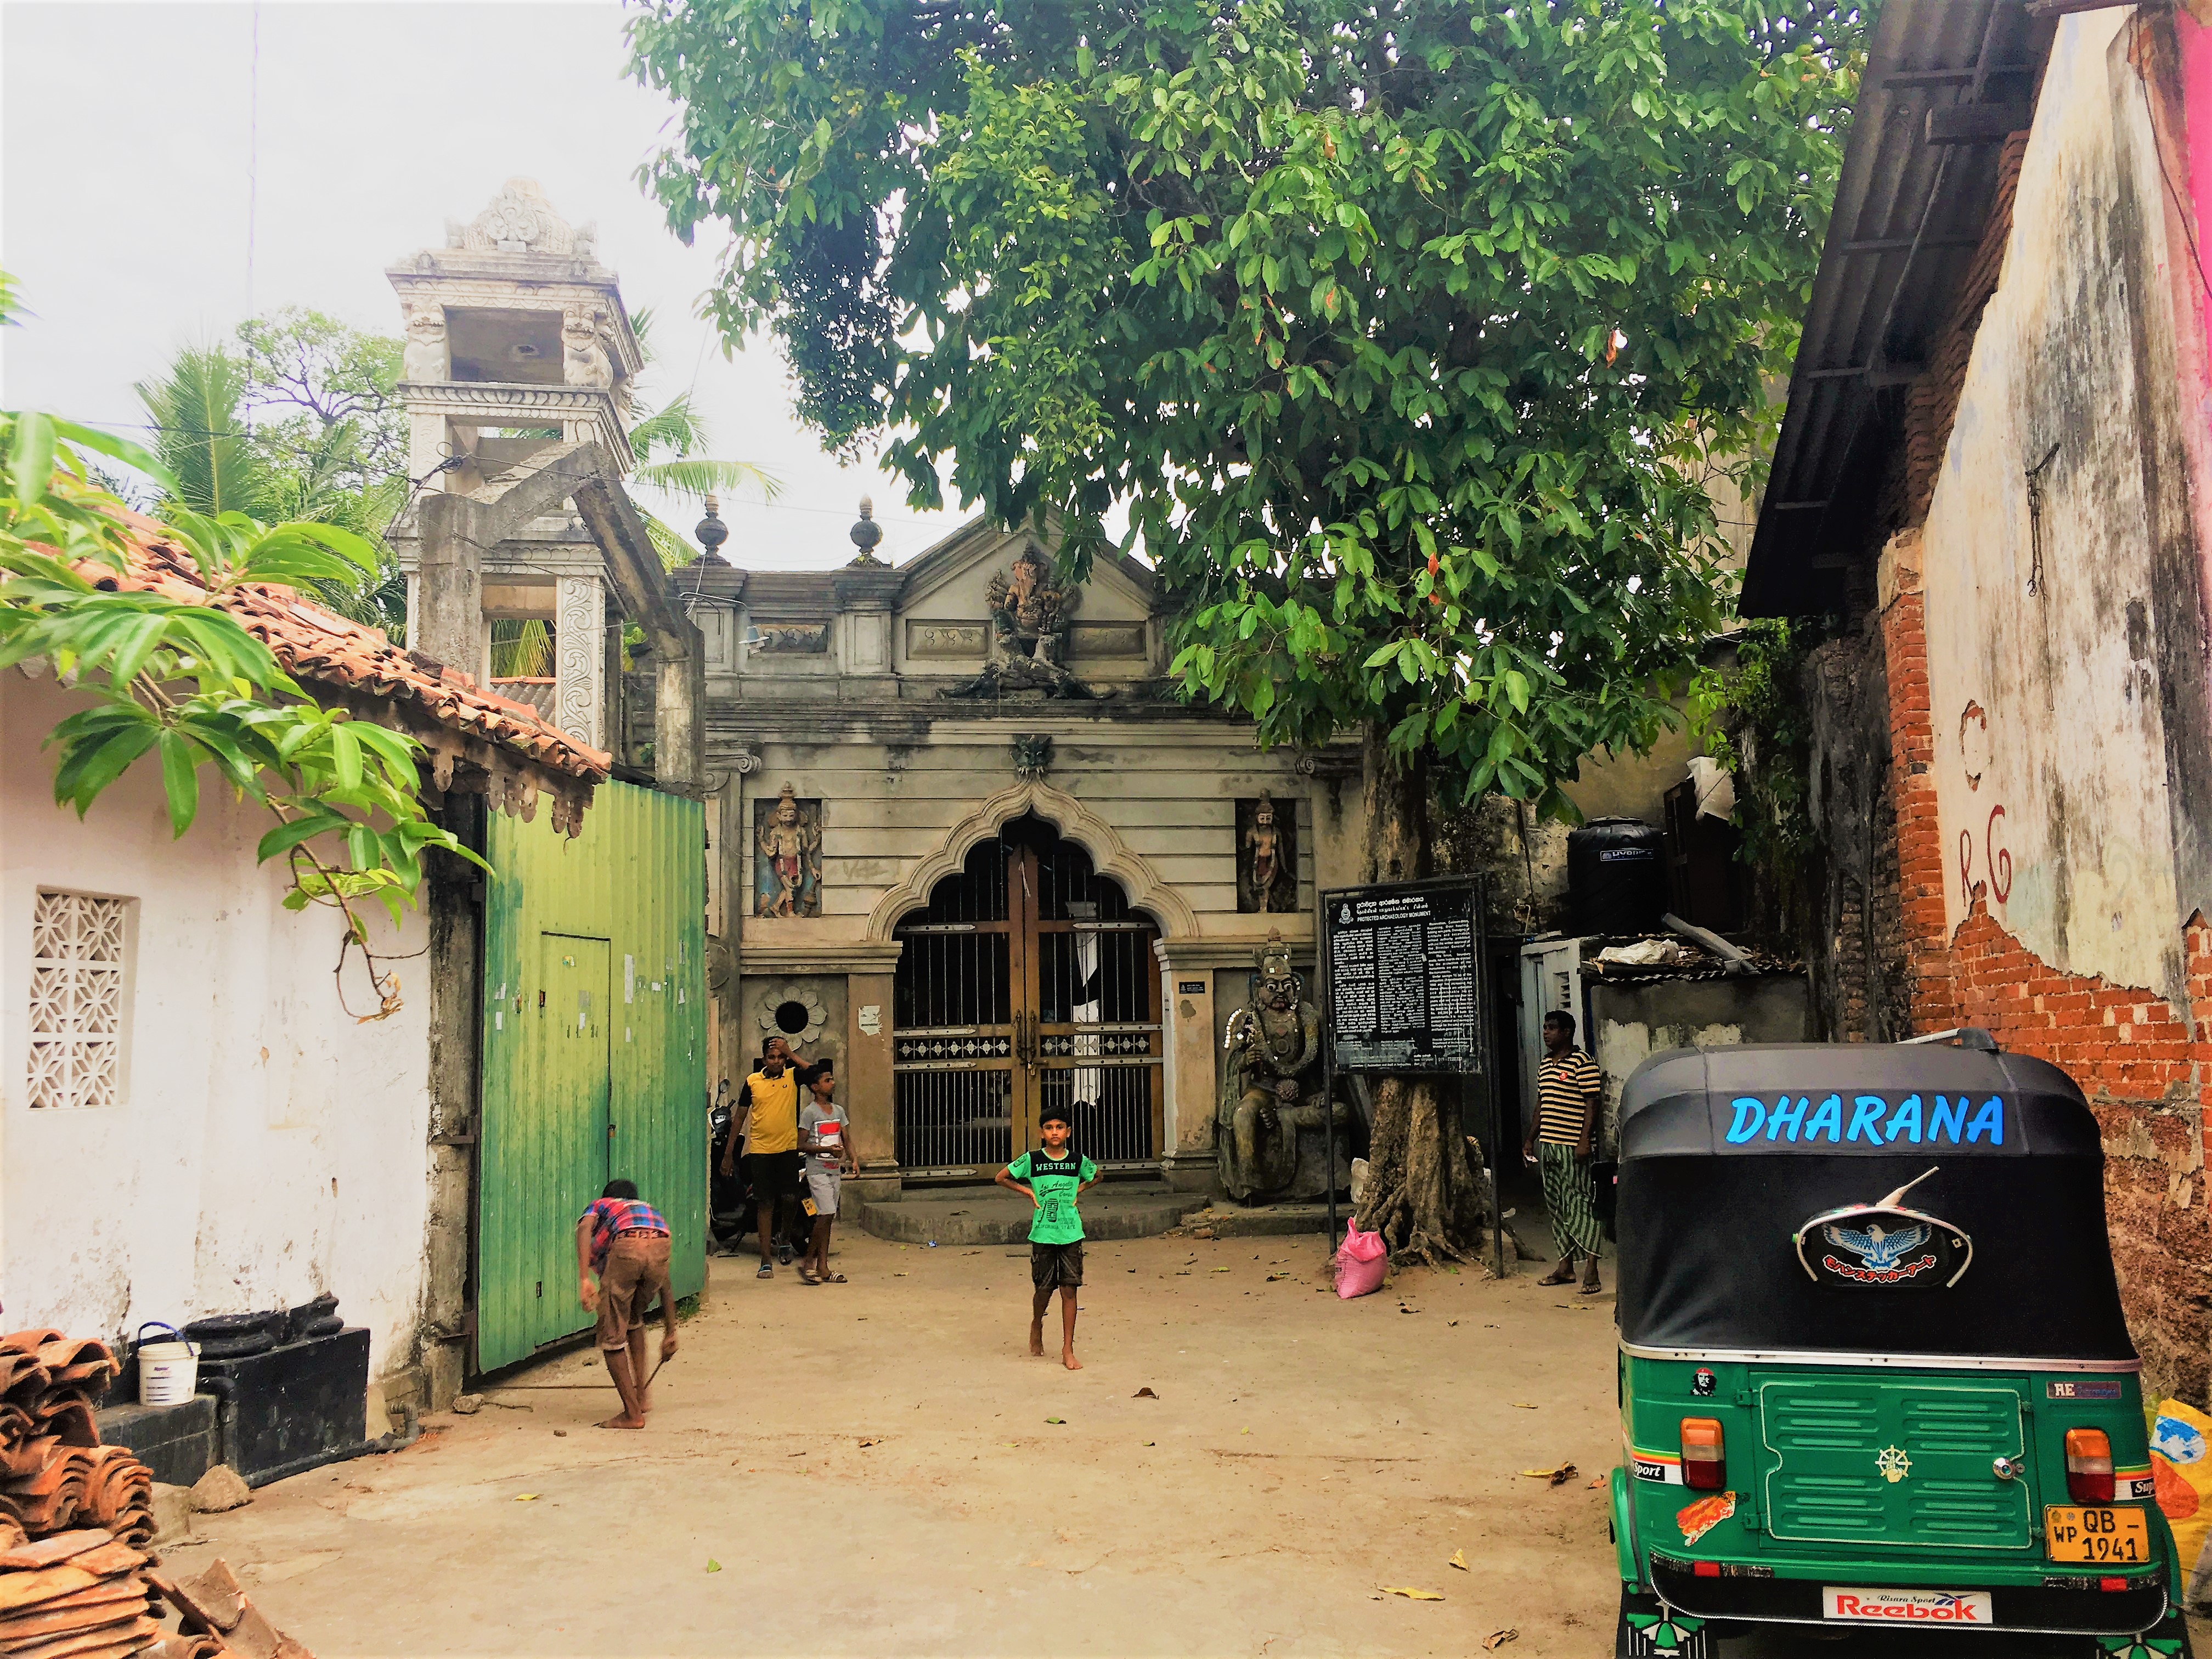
(2042, 550)
(267, 1148)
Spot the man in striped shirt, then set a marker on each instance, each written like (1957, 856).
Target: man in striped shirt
(1561, 1143)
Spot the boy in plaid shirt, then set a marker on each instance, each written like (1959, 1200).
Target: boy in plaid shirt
(625, 1242)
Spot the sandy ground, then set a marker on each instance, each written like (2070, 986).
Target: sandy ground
(877, 1468)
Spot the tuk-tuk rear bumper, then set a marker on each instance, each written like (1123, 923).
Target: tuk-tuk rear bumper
(2053, 1609)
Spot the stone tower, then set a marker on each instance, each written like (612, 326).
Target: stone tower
(518, 344)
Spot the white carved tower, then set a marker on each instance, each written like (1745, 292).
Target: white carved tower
(518, 344)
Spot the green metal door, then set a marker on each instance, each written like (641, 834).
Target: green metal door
(594, 1052)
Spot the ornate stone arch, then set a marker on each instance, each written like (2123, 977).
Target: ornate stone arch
(1110, 854)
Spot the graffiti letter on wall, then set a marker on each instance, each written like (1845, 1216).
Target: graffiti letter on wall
(1999, 859)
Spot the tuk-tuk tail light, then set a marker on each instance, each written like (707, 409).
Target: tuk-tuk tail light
(2089, 1466)
(1704, 1466)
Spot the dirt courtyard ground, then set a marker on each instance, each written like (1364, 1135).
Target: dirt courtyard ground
(878, 1469)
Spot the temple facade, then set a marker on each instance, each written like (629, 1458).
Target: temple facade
(971, 846)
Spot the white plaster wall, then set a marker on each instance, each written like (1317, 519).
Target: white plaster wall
(268, 1148)
(2050, 751)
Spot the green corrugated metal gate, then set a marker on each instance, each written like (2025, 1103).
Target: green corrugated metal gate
(594, 1052)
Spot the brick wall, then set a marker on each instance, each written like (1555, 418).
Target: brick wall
(2144, 1062)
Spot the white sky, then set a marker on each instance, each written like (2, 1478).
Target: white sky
(137, 153)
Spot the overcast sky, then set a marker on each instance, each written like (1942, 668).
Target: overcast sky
(171, 169)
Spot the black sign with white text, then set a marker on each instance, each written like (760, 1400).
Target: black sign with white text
(1405, 976)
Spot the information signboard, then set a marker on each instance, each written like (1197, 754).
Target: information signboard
(1404, 969)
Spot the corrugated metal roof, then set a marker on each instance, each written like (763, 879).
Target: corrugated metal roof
(1908, 215)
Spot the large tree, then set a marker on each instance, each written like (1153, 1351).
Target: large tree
(1406, 333)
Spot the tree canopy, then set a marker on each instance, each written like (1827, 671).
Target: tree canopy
(1407, 332)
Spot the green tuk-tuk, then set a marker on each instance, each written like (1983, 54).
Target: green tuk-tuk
(1873, 1371)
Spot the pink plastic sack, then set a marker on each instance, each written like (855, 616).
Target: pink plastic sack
(1361, 1261)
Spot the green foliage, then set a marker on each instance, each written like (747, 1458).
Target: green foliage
(1408, 334)
(1753, 722)
(183, 685)
(296, 421)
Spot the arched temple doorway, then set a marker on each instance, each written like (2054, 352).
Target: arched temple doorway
(1026, 981)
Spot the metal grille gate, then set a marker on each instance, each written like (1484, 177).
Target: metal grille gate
(1026, 981)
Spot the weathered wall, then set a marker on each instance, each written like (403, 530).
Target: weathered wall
(1631, 1020)
(2050, 761)
(2010, 750)
(267, 1147)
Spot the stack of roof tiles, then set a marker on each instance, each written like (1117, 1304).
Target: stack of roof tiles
(78, 1595)
(54, 1476)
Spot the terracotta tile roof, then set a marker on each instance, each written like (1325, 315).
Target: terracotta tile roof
(315, 643)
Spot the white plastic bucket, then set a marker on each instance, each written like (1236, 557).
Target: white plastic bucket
(168, 1372)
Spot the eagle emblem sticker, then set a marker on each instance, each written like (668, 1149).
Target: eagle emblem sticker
(1883, 1246)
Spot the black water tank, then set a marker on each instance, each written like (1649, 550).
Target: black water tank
(1616, 876)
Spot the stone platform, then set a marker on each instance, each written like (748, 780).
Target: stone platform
(992, 1215)
(1228, 1220)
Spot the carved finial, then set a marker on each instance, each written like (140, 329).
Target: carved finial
(520, 220)
(1274, 955)
(867, 533)
(711, 531)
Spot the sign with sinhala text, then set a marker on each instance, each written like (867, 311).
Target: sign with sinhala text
(1405, 976)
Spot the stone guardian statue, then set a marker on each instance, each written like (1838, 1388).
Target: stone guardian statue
(1269, 1127)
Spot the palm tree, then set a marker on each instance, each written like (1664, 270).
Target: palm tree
(200, 436)
(669, 445)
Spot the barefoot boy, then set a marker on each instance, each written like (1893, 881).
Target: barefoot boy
(824, 1136)
(1054, 1178)
(625, 1242)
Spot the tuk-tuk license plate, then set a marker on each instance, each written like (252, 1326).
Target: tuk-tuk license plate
(2096, 1535)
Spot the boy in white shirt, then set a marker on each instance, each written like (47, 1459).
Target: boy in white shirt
(826, 1138)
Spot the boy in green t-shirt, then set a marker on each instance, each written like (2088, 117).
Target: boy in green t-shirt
(1054, 1179)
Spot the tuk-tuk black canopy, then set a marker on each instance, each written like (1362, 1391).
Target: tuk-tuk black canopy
(1727, 1153)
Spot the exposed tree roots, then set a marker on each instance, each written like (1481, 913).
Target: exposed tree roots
(1423, 1195)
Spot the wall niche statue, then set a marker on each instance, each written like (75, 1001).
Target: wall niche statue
(1270, 1128)
(1267, 855)
(1029, 616)
(787, 864)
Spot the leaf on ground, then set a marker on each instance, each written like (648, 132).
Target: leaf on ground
(1596, 1484)
(1558, 1476)
(1221, 1270)
(1144, 1394)
(1498, 1638)
(1411, 1594)
(1151, 1442)
(525, 1497)
(1055, 1419)
(713, 1565)
(1459, 1560)
(864, 1444)
(1522, 1406)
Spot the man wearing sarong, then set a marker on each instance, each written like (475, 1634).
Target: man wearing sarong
(1560, 1144)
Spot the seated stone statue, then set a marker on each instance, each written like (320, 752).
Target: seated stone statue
(1269, 1129)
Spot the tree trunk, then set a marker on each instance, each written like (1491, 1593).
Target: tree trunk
(1423, 1195)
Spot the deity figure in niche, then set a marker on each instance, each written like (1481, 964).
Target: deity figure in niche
(1029, 612)
(1270, 1129)
(787, 873)
(1267, 857)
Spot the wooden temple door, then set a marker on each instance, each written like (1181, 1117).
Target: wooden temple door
(1026, 981)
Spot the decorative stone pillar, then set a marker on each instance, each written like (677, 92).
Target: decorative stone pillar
(868, 1082)
(579, 622)
(1191, 1070)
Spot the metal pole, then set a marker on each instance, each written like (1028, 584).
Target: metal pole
(1328, 1062)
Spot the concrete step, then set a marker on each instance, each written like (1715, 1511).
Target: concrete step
(1232, 1220)
(992, 1215)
